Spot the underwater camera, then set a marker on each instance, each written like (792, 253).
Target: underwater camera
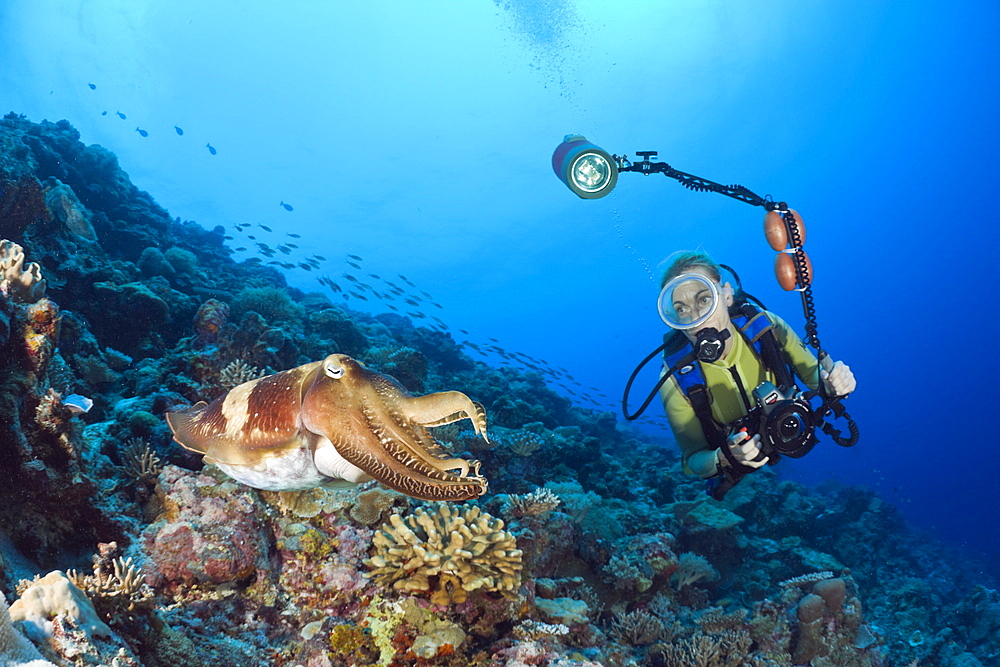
(786, 423)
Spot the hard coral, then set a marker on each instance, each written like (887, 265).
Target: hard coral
(52, 595)
(15, 649)
(463, 550)
(22, 284)
(537, 502)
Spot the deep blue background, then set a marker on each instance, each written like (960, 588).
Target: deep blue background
(418, 136)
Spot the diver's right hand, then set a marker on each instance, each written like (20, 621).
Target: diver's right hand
(746, 450)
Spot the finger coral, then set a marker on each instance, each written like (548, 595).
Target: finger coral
(24, 284)
(447, 551)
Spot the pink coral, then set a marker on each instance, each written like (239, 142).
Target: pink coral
(209, 532)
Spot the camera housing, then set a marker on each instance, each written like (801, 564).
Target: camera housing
(785, 422)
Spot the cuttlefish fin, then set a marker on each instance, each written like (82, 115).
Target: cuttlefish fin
(445, 407)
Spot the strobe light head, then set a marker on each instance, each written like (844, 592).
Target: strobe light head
(588, 170)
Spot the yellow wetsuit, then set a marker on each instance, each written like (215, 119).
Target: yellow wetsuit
(726, 401)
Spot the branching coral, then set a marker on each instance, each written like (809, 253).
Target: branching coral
(116, 587)
(716, 620)
(525, 443)
(237, 372)
(639, 628)
(727, 650)
(22, 283)
(537, 502)
(448, 551)
(140, 461)
(692, 568)
(806, 579)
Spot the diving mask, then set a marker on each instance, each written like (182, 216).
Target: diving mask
(688, 301)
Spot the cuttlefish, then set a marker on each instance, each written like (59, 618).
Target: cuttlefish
(329, 423)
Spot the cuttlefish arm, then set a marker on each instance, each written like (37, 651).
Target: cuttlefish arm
(364, 415)
(445, 407)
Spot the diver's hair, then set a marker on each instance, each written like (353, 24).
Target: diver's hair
(687, 260)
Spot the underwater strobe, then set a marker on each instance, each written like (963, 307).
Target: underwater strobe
(588, 170)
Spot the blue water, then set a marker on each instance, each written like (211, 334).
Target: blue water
(418, 135)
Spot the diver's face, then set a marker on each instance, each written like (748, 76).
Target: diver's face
(692, 300)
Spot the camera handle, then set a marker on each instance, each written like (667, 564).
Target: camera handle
(831, 404)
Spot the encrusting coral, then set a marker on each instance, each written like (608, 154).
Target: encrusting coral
(24, 284)
(464, 548)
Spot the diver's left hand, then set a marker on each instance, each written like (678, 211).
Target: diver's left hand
(839, 380)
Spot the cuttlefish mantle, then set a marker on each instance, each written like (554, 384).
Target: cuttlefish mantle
(333, 420)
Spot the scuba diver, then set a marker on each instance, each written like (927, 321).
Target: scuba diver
(731, 397)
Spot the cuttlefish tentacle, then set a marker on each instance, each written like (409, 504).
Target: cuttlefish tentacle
(394, 411)
(445, 407)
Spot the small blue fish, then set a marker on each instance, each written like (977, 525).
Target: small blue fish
(293, 235)
(92, 86)
(120, 115)
(142, 133)
(104, 113)
(178, 130)
(211, 149)
(287, 207)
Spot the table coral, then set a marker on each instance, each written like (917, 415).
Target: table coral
(462, 549)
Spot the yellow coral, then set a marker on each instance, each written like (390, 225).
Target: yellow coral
(23, 284)
(462, 549)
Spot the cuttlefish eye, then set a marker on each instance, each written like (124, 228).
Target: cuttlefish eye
(333, 370)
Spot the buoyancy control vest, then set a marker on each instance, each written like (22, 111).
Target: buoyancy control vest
(758, 331)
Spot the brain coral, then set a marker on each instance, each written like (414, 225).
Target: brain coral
(464, 549)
